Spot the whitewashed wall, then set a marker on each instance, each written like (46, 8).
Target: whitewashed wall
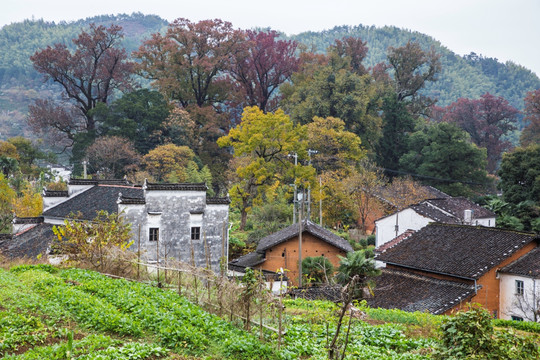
(509, 300)
(406, 219)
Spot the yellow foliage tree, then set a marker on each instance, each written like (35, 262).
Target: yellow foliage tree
(169, 161)
(262, 143)
(29, 204)
(7, 194)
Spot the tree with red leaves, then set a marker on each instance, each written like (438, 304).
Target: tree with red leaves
(486, 120)
(189, 62)
(88, 75)
(263, 66)
(531, 134)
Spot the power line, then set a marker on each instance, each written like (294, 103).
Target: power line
(434, 178)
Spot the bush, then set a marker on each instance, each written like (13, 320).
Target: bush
(470, 335)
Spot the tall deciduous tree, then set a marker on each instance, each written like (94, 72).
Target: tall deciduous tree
(411, 67)
(263, 142)
(112, 157)
(169, 160)
(263, 65)
(486, 120)
(331, 87)
(88, 76)
(445, 156)
(531, 134)
(7, 194)
(187, 64)
(336, 147)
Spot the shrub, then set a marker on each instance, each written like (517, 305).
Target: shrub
(470, 335)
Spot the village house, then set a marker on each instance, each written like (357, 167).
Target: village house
(280, 249)
(178, 217)
(520, 288)
(443, 266)
(447, 210)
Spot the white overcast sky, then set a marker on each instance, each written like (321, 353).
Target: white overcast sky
(503, 29)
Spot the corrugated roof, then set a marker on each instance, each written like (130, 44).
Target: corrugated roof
(312, 228)
(406, 291)
(458, 250)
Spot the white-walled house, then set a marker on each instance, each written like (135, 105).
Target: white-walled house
(449, 210)
(178, 217)
(520, 288)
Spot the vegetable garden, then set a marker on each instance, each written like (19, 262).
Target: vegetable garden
(50, 313)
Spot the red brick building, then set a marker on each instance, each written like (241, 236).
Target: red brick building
(442, 267)
(281, 249)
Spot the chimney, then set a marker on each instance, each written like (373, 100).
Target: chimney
(467, 217)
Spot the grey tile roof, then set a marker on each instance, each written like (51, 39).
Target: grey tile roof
(55, 193)
(435, 214)
(527, 265)
(30, 243)
(406, 291)
(28, 220)
(309, 227)
(218, 201)
(457, 250)
(118, 182)
(179, 186)
(125, 200)
(457, 206)
(249, 260)
(394, 241)
(89, 202)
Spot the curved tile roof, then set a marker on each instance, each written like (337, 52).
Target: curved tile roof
(312, 228)
(457, 250)
(179, 186)
(406, 291)
(527, 265)
(89, 202)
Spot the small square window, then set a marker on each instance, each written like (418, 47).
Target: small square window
(519, 287)
(196, 233)
(154, 234)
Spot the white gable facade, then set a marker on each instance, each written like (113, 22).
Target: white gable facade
(396, 224)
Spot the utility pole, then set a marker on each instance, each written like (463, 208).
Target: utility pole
(300, 241)
(295, 155)
(310, 152)
(320, 200)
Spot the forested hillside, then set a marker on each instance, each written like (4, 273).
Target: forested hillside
(20, 84)
(461, 77)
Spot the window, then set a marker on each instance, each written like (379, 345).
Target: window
(195, 233)
(517, 318)
(519, 287)
(154, 234)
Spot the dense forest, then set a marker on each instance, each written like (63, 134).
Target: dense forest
(341, 114)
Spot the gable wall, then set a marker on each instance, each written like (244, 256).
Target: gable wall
(407, 219)
(171, 212)
(512, 304)
(285, 255)
(489, 294)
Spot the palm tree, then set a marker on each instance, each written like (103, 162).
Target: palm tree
(356, 263)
